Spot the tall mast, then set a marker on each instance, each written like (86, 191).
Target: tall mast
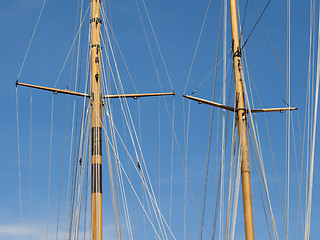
(96, 100)
(95, 92)
(242, 124)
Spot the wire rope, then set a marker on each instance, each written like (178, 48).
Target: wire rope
(171, 169)
(34, 31)
(30, 167)
(151, 194)
(308, 216)
(158, 46)
(307, 105)
(264, 208)
(72, 45)
(260, 16)
(268, 132)
(210, 132)
(258, 149)
(197, 45)
(49, 172)
(126, 103)
(288, 116)
(135, 134)
(19, 162)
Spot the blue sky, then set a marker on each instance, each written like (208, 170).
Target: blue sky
(177, 25)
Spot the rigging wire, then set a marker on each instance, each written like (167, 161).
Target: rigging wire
(265, 8)
(34, 31)
(131, 118)
(115, 199)
(158, 46)
(124, 100)
(243, 21)
(19, 162)
(275, 54)
(49, 173)
(143, 180)
(210, 130)
(175, 136)
(71, 47)
(264, 208)
(315, 115)
(307, 105)
(171, 170)
(288, 116)
(268, 133)
(259, 154)
(30, 170)
(196, 49)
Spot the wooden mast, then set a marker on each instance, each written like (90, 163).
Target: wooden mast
(242, 124)
(95, 92)
(96, 101)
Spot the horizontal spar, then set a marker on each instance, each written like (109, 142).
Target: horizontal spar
(137, 95)
(54, 90)
(131, 95)
(211, 103)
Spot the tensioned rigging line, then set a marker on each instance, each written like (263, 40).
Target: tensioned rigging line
(308, 216)
(288, 118)
(173, 130)
(19, 161)
(260, 16)
(115, 198)
(18, 139)
(158, 46)
(209, 74)
(34, 31)
(83, 149)
(231, 174)
(167, 111)
(138, 171)
(134, 165)
(76, 34)
(236, 197)
(258, 148)
(259, 184)
(197, 45)
(71, 47)
(50, 158)
(267, 128)
(171, 169)
(243, 21)
(119, 79)
(307, 105)
(107, 90)
(30, 170)
(274, 52)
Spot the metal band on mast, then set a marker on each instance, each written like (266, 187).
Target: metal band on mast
(95, 91)
(242, 124)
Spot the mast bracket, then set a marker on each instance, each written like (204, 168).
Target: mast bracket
(96, 20)
(237, 53)
(97, 46)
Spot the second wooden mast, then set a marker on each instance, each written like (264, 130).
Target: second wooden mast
(96, 104)
(242, 124)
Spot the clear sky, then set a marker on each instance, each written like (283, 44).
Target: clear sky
(177, 25)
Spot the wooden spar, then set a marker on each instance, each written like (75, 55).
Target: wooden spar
(232, 109)
(69, 92)
(242, 124)
(54, 90)
(95, 89)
